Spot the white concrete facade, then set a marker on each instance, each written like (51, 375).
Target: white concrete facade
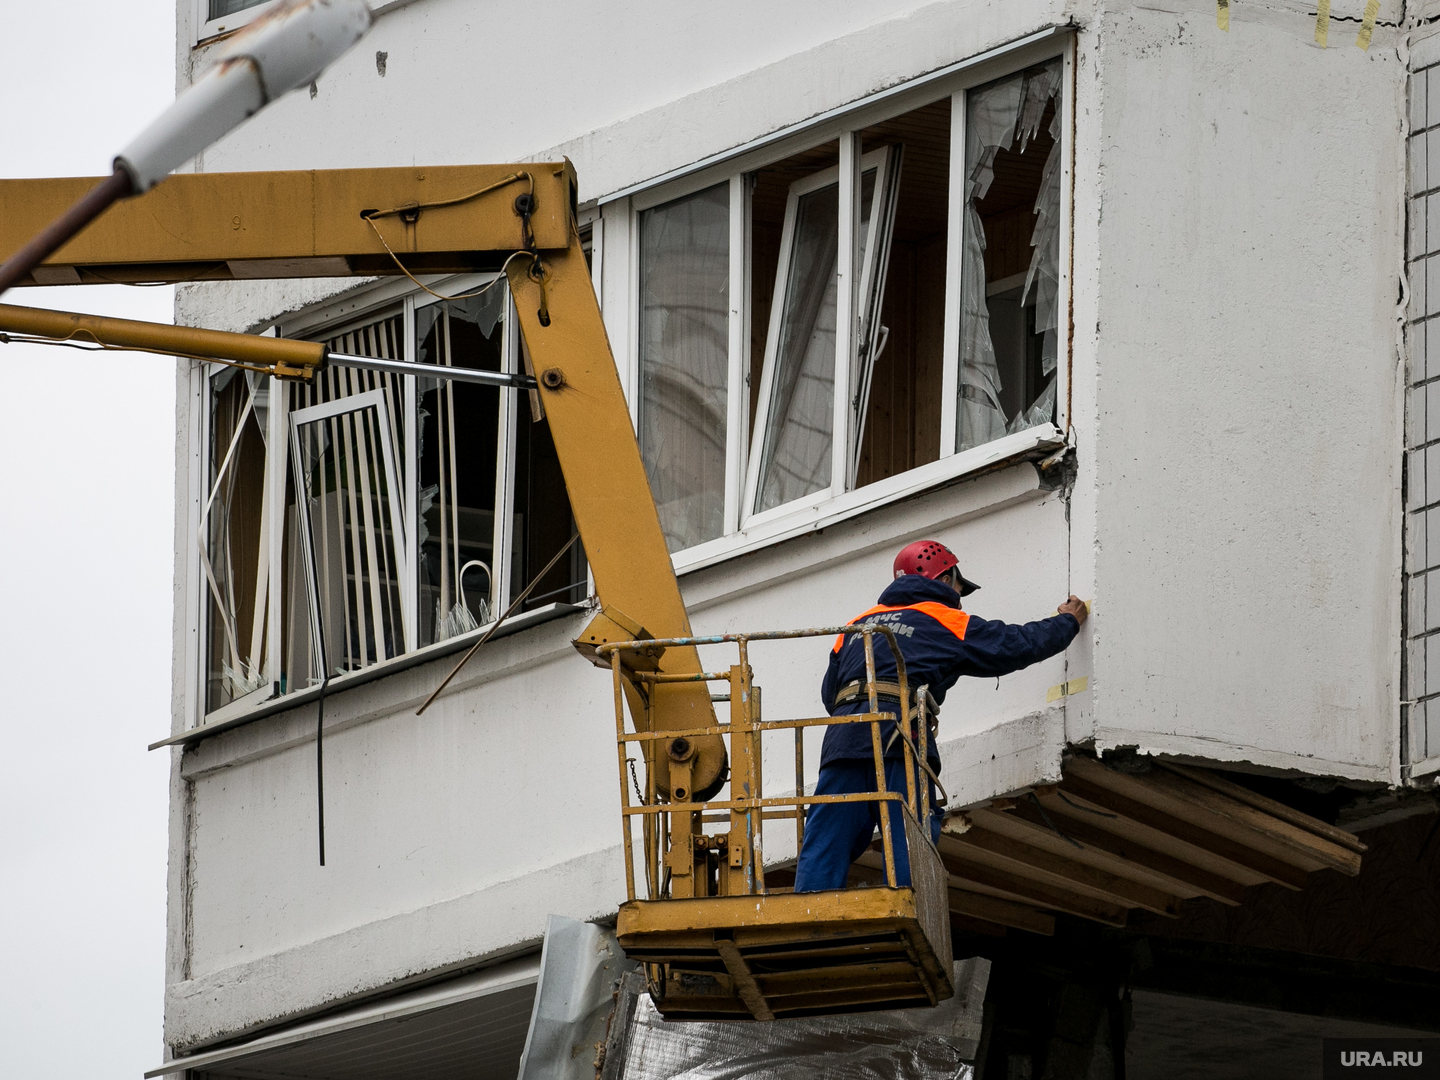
(1235, 400)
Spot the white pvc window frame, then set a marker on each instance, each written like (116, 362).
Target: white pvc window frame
(849, 302)
(207, 27)
(747, 532)
(336, 408)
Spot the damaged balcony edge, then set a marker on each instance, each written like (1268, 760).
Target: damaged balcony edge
(1214, 753)
(226, 721)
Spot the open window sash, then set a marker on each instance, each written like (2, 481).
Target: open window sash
(871, 336)
(352, 533)
(791, 451)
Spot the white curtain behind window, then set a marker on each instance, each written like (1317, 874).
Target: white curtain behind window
(684, 361)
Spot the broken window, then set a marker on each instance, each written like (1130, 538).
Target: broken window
(1009, 314)
(352, 535)
(347, 536)
(413, 509)
(234, 532)
(952, 288)
(684, 361)
(458, 431)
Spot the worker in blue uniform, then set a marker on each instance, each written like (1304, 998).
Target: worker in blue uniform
(940, 642)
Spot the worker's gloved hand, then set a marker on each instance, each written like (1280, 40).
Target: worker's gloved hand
(1075, 606)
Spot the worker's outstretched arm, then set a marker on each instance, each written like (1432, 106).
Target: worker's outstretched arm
(993, 648)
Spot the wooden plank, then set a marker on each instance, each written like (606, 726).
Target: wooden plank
(1061, 871)
(1181, 876)
(1028, 890)
(745, 986)
(992, 909)
(968, 925)
(1253, 828)
(1270, 806)
(1257, 862)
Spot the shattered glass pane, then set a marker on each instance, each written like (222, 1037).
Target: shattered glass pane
(1009, 306)
(458, 431)
(234, 553)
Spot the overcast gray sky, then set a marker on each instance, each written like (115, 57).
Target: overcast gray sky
(85, 566)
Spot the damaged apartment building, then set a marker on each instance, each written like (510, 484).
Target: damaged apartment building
(1108, 298)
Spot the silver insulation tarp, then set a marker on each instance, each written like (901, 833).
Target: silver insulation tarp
(905, 1044)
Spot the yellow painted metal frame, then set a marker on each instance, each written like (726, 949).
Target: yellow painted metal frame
(709, 927)
(223, 226)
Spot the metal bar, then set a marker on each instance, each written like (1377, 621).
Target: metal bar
(721, 639)
(48, 240)
(432, 371)
(698, 676)
(280, 356)
(887, 840)
(922, 712)
(624, 792)
(777, 800)
(766, 725)
(799, 785)
(904, 725)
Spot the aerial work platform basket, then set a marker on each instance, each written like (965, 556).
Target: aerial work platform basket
(717, 943)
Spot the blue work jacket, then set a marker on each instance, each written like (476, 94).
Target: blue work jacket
(940, 643)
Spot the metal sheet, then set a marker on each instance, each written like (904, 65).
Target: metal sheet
(580, 970)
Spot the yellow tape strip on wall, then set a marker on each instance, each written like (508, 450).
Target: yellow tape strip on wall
(1222, 14)
(1065, 689)
(1322, 22)
(1367, 25)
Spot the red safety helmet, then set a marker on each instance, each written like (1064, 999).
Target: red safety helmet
(931, 559)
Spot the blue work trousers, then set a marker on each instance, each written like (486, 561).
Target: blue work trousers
(836, 834)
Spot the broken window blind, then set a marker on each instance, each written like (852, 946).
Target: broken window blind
(1009, 308)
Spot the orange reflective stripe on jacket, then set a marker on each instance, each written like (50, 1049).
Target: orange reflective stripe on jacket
(953, 619)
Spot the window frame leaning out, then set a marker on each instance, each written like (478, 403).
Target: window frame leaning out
(621, 212)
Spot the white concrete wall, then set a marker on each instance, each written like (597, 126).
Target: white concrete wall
(1246, 438)
(1235, 397)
